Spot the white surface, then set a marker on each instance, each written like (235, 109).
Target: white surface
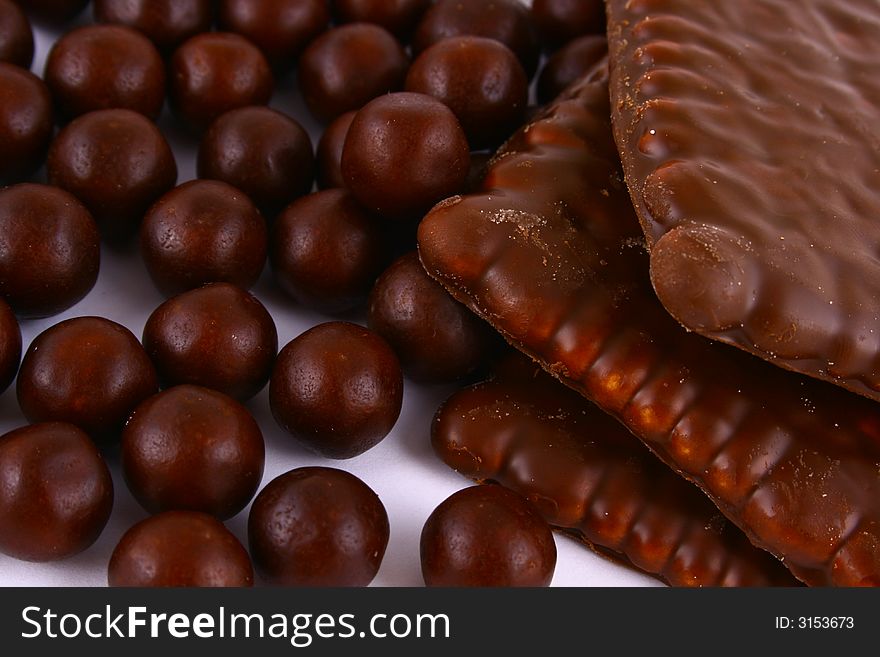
(403, 470)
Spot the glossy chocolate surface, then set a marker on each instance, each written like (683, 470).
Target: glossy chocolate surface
(167, 23)
(265, 153)
(25, 123)
(487, 536)
(561, 21)
(192, 449)
(50, 249)
(10, 345)
(88, 371)
(328, 156)
(180, 549)
(203, 231)
(16, 35)
(570, 63)
(550, 253)
(57, 493)
(756, 174)
(337, 389)
(397, 16)
(185, 335)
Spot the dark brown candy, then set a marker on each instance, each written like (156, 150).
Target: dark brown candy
(10, 345)
(265, 153)
(88, 371)
(180, 549)
(550, 254)
(403, 153)
(506, 21)
(762, 228)
(317, 527)
(480, 80)
(215, 72)
(54, 11)
(167, 23)
(192, 449)
(50, 249)
(487, 536)
(436, 338)
(203, 231)
(57, 493)
(561, 21)
(103, 67)
(328, 158)
(117, 163)
(327, 251)
(16, 35)
(348, 66)
(25, 123)
(570, 63)
(397, 16)
(337, 389)
(217, 336)
(588, 476)
(280, 28)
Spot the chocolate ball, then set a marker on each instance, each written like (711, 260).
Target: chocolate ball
(25, 123)
(280, 28)
(89, 371)
(317, 527)
(337, 389)
(203, 231)
(326, 251)
(560, 21)
(167, 23)
(487, 536)
(480, 80)
(103, 67)
(57, 493)
(192, 449)
(264, 153)
(397, 16)
(10, 345)
(217, 336)
(403, 153)
(54, 11)
(435, 337)
(180, 549)
(117, 163)
(348, 66)
(50, 249)
(215, 72)
(570, 63)
(328, 157)
(16, 35)
(507, 21)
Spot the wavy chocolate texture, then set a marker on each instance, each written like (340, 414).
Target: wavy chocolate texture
(589, 476)
(549, 252)
(750, 138)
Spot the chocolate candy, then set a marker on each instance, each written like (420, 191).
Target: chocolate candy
(103, 67)
(57, 493)
(327, 251)
(587, 475)
(194, 449)
(328, 157)
(506, 21)
(762, 230)
(487, 536)
(50, 249)
(88, 371)
(436, 338)
(397, 16)
(117, 163)
(16, 35)
(217, 336)
(215, 72)
(263, 152)
(177, 549)
(10, 345)
(280, 28)
(570, 63)
(167, 23)
(54, 11)
(550, 254)
(403, 153)
(203, 231)
(347, 66)
(561, 21)
(25, 123)
(337, 389)
(317, 527)
(480, 80)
